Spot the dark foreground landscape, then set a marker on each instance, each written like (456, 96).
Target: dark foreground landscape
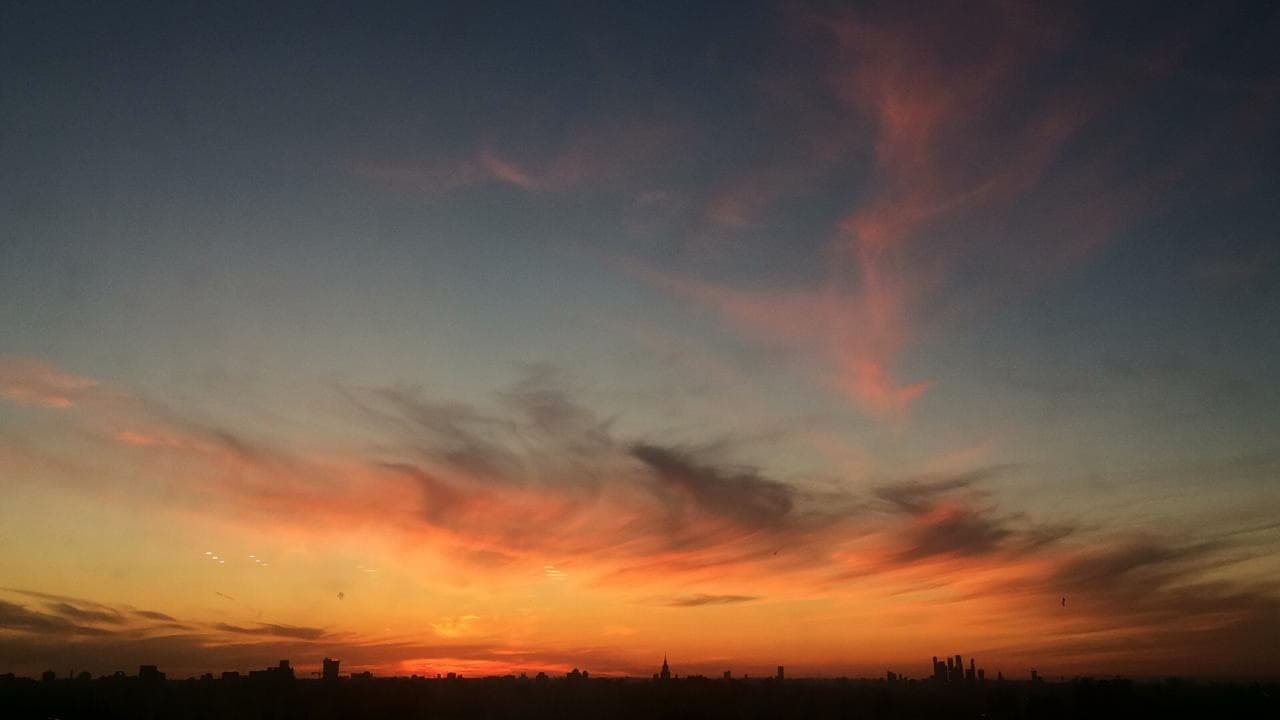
(511, 697)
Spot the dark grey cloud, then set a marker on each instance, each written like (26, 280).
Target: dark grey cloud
(89, 615)
(535, 432)
(960, 533)
(546, 406)
(20, 618)
(457, 434)
(32, 641)
(1145, 563)
(153, 615)
(440, 499)
(51, 597)
(968, 525)
(700, 600)
(742, 494)
(274, 630)
(1223, 625)
(919, 495)
(71, 619)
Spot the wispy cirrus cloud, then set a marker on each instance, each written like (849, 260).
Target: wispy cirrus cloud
(957, 160)
(537, 480)
(701, 600)
(29, 381)
(272, 630)
(586, 159)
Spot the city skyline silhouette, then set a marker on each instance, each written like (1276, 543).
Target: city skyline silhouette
(278, 691)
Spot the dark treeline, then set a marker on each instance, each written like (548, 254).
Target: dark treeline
(130, 697)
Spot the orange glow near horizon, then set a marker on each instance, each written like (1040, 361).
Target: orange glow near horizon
(505, 567)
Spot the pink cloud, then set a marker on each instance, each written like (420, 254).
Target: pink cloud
(28, 381)
(958, 153)
(856, 334)
(505, 171)
(604, 155)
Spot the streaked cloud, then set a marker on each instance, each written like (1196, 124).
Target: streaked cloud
(28, 381)
(700, 600)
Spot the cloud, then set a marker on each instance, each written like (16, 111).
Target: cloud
(956, 161)
(14, 617)
(456, 433)
(32, 641)
(601, 155)
(919, 495)
(742, 495)
(700, 600)
(944, 522)
(85, 615)
(28, 381)
(549, 483)
(154, 615)
(1150, 599)
(273, 630)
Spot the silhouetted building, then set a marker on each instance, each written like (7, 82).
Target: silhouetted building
(665, 673)
(692, 696)
(48, 676)
(330, 671)
(230, 676)
(953, 671)
(279, 673)
(1035, 676)
(150, 673)
(780, 673)
(728, 675)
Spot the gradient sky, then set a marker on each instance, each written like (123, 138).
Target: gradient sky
(438, 338)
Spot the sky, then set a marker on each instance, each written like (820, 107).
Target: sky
(533, 336)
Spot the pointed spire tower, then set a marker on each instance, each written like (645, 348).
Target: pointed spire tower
(666, 670)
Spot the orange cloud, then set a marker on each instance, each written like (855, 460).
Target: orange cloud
(542, 490)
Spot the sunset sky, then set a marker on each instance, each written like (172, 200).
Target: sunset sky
(833, 336)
